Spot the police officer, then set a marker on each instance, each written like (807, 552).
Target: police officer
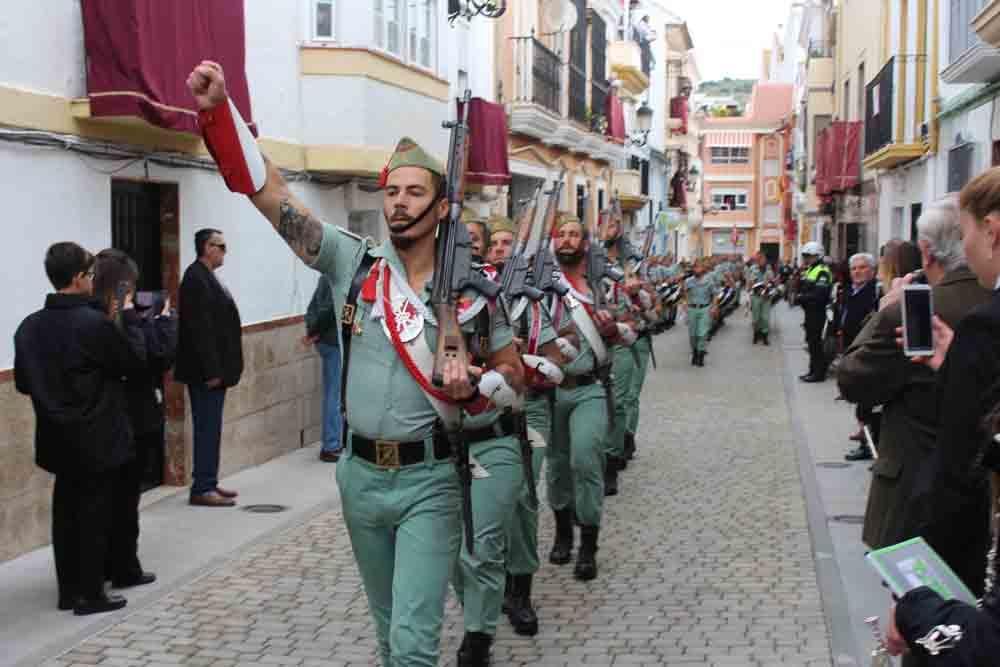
(700, 294)
(813, 296)
(759, 278)
(400, 494)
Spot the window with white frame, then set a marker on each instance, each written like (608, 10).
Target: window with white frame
(730, 154)
(323, 19)
(729, 200)
(407, 31)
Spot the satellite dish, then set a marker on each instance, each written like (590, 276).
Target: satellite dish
(559, 15)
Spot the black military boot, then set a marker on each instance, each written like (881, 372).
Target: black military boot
(586, 558)
(562, 549)
(611, 476)
(475, 650)
(694, 358)
(508, 593)
(763, 338)
(521, 613)
(629, 446)
(756, 337)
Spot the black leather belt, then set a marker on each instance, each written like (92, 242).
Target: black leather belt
(574, 381)
(695, 305)
(396, 454)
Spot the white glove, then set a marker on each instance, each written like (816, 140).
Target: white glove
(494, 386)
(645, 299)
(626, 334)
(566, 348)
(543, 366)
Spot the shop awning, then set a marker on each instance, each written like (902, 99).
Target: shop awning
(140, 52)
(487, 163)
(729, 138)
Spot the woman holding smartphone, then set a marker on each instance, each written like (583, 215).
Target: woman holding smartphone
(115, 280)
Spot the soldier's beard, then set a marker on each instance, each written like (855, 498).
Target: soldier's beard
(569, 257)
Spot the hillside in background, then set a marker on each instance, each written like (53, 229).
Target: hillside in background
(739, 88)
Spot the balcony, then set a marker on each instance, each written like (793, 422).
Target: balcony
(987, 23)
(627, 64)
(627, 186)
(885, 145)
(970, 59)
(549, 103)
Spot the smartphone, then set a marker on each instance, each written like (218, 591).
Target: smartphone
(918, 309)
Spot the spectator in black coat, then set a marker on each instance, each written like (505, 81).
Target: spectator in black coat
(157, 335)
(70, 358)
(209, 360)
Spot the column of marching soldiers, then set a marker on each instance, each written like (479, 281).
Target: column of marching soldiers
(462, 377)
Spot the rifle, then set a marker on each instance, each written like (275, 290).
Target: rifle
(453, 274)
(543, 270)
(514, 279)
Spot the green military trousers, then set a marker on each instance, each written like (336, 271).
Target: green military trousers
(623, 370)
(480, 579)
(405, 526)
(522, 534)
(575, 454)
(643, 347)
(760, 309)
(699, 322)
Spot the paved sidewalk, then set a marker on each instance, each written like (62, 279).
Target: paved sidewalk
(706, 556)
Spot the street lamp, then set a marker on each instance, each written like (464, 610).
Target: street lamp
(491, 9)
(644, 123)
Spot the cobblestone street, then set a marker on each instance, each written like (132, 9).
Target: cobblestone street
(705, 555)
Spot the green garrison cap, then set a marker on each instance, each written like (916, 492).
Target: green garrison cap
(468, 215)
(566, 218)
(499, 223)
(408, 153)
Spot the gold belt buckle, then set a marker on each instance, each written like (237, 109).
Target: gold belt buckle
(387, 453)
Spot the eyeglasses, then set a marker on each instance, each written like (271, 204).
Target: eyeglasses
(220, 246)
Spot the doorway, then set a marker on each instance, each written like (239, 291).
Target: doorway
(144, 224)
(915, 211)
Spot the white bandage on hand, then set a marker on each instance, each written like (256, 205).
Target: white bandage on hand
(493, 385)
(544, 367)
(645, 299)
(626, 334)
(566, 348)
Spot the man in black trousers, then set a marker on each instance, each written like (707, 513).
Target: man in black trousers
(71, 358)
(209, 360)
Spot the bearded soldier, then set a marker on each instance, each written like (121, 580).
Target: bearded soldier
(400, 494)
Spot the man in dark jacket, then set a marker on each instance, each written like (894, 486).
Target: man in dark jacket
(71, 358)
(321, 330)
(209, 360)
(874, 371)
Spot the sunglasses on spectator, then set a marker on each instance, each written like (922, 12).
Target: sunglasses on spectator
(220, 246)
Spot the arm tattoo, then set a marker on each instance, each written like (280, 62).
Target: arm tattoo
(302, 232)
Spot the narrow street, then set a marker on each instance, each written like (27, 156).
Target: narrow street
(706, 557)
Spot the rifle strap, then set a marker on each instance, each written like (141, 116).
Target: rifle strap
(347, 328)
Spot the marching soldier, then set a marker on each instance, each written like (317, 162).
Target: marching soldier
(580, 417)
(626, 362)
(760, 278)
(501, 239)
(644, 302)
(813, 295)
(399, 490)
(700, 294)
(542, 353)
(479, 235)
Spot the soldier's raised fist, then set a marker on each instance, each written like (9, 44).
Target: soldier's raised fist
(207, 84)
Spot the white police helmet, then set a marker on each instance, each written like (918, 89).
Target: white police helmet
(813, 248)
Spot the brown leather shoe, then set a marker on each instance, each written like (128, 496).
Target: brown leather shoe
(329, 457)
(212, 499)
(226, 493)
